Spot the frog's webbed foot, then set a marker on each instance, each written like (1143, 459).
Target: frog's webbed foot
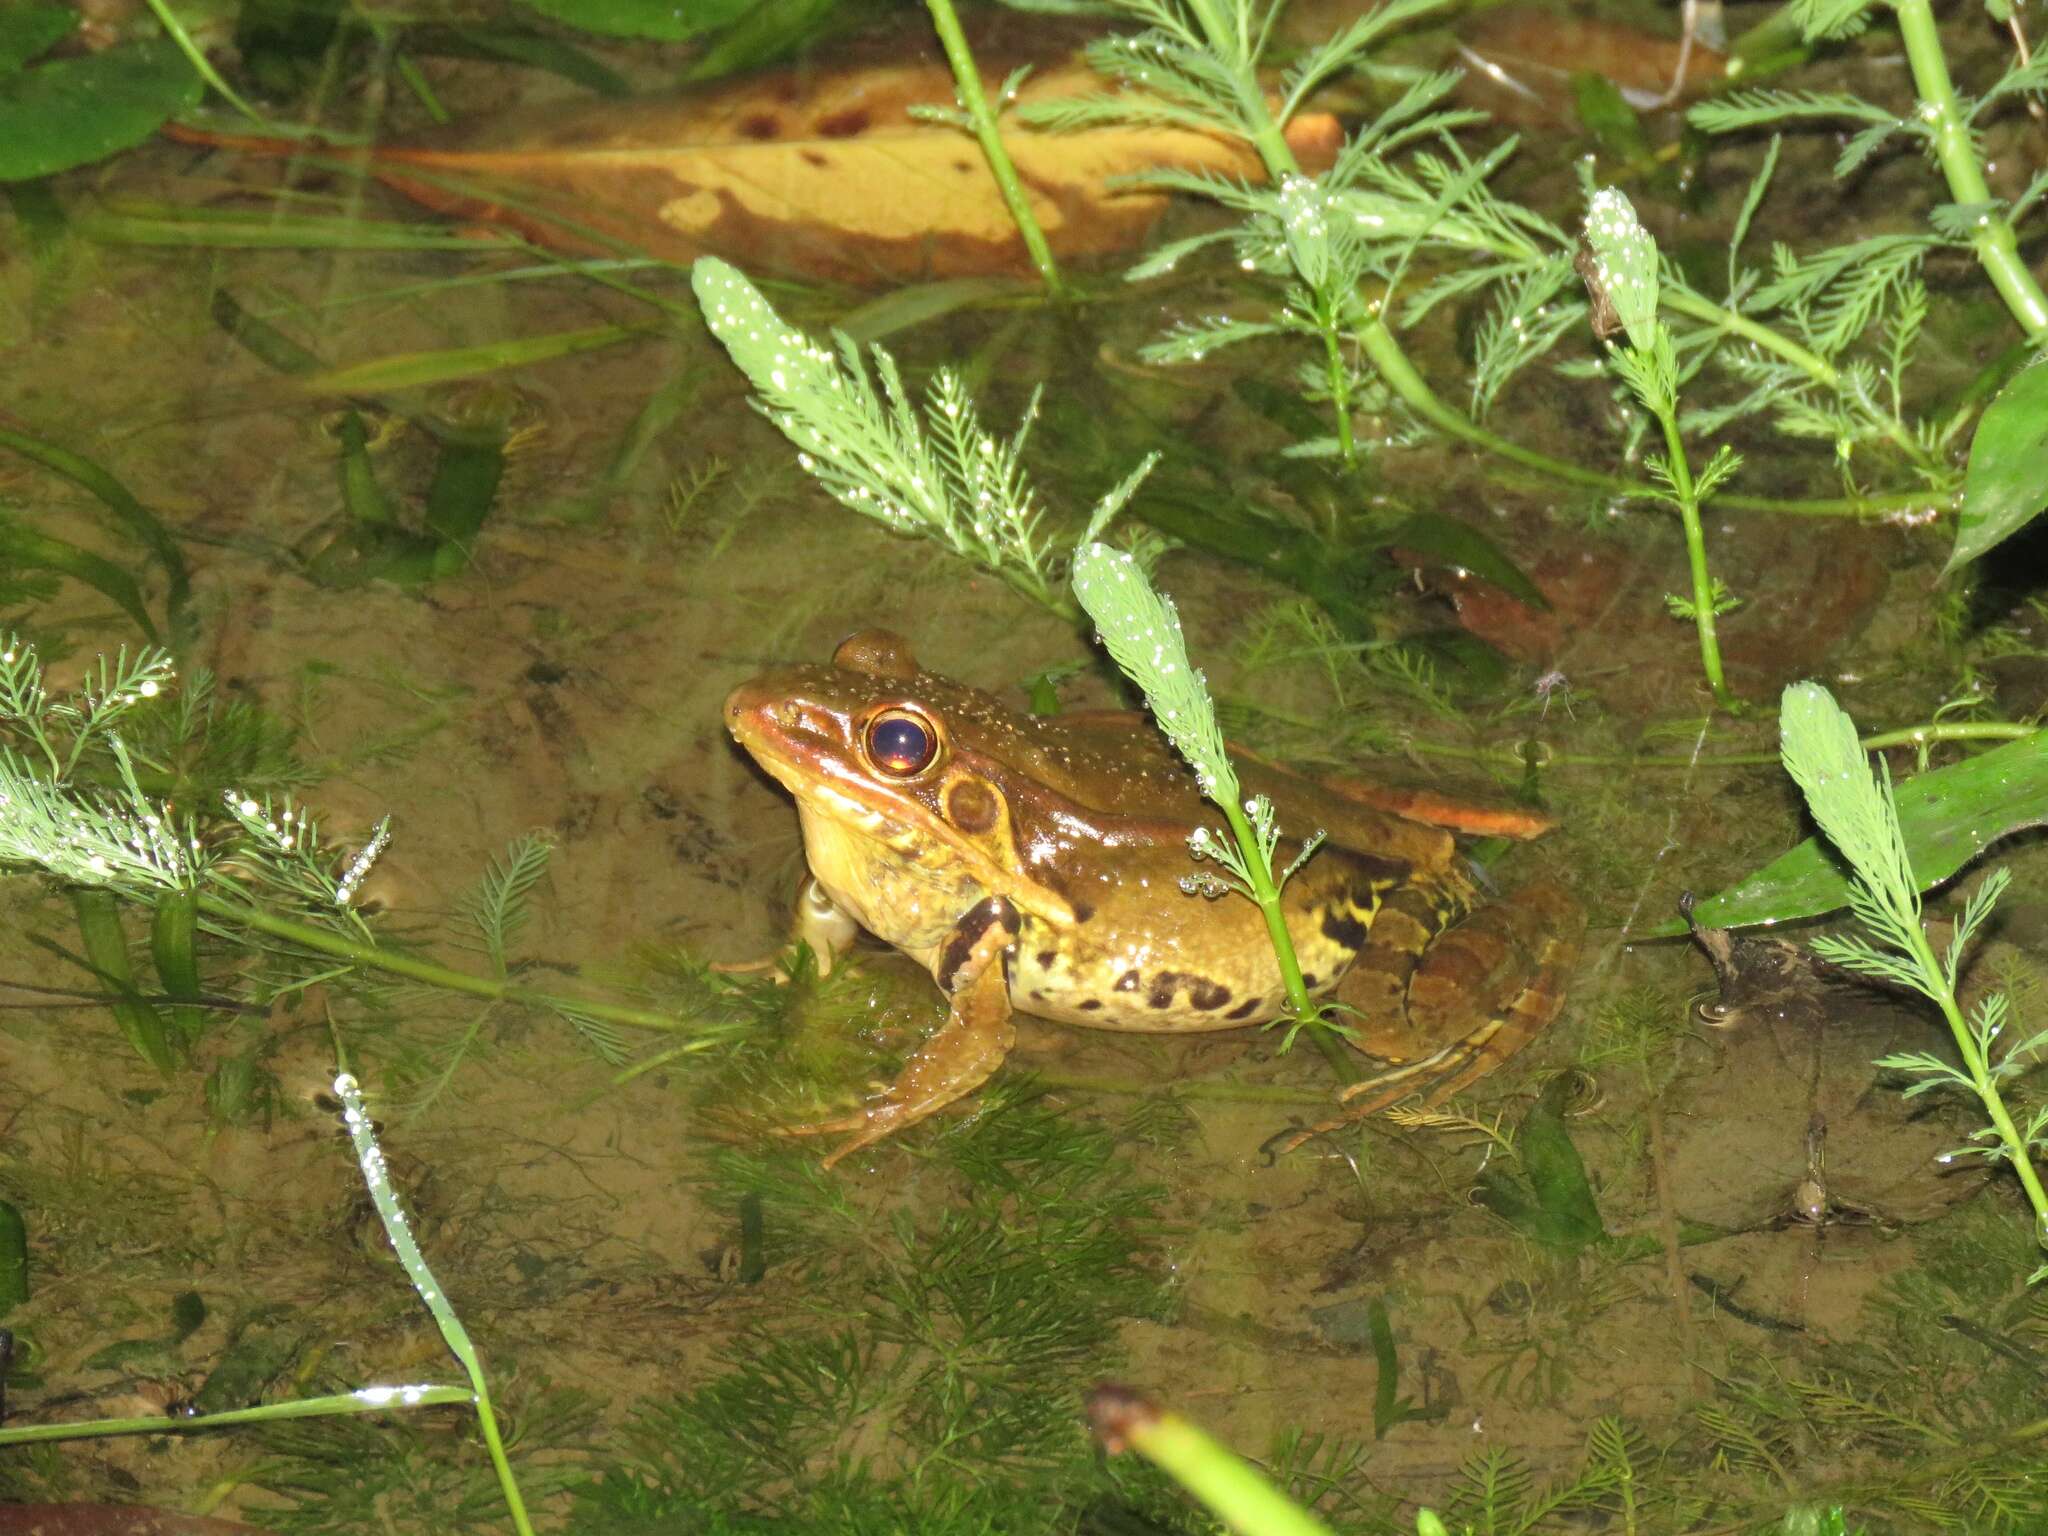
(1516, 953)
(973, 967)
(820, 922)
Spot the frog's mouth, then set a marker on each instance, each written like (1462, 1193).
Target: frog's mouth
(803, 748)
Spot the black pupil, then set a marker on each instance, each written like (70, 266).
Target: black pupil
(900, 744)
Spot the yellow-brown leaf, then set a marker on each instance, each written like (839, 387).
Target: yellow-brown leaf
(821, 174)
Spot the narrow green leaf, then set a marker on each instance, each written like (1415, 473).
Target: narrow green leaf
(368, 506)
(2006, 484)
(1556, 1206)
(1465, 547)
(412, 370)
(75, 111)
(21, 546)
(173, 945)
(1949, 816)
(137, 520)
(465, 483)
(660, 20)
(106, 952)
(534, 50)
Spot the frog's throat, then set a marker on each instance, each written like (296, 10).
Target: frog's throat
(915, 839)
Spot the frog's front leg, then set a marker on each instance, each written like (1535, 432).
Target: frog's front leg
(827, 927)
(819, 923)
(973, 967)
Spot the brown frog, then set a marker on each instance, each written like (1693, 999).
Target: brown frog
(1038, 863)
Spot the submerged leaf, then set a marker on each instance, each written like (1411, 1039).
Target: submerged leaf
(2006, 484)
(824, 174)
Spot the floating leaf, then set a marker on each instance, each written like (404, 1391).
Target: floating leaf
(1949, 815)
(2006, 484)
(78, 110)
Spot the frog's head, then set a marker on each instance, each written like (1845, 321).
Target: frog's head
(926, 767)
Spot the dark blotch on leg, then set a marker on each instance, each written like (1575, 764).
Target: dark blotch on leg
(968, 932)
(1342, 928)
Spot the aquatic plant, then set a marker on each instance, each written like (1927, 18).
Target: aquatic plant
(1402, 196)
(944, 477)
(377, 1399)
(253, 869)
(1141, 631)
(976, 116)
(1621, 276)
(1856, 810)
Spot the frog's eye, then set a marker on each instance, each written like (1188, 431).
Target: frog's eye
(901, 742)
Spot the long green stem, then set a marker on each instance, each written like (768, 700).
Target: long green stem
(967, 80)
(368, 1400)
(377, 1181)
(1339, 379)
(1974, 1059)
(1401, 377)
(371, 956)
(1696, 557)
(1267, 894)
(1993, 239)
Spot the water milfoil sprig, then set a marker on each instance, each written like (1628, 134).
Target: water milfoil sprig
(940, 475)
(256, 871)
(1856, 811)
(1403, 191)
(1619, 264)
(1140, 628)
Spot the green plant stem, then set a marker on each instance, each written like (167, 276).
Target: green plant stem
(967, 80)
(1696, 556)
(1996, 246)
(1340, 395)
(304, 1408)
(1537, 752)
(201, 65)
(377, 1181)
(372, 956)
(1267, 895)
(1400, 376)
(1979, 1066)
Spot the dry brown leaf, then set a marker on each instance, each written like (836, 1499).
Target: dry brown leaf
(819, 174)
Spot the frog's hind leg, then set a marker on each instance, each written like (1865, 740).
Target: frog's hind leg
(973, 967)
(1486, 987)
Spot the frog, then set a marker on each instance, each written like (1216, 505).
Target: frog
(1041, 864)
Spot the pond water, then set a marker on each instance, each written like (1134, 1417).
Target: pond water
(1784, 1300)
